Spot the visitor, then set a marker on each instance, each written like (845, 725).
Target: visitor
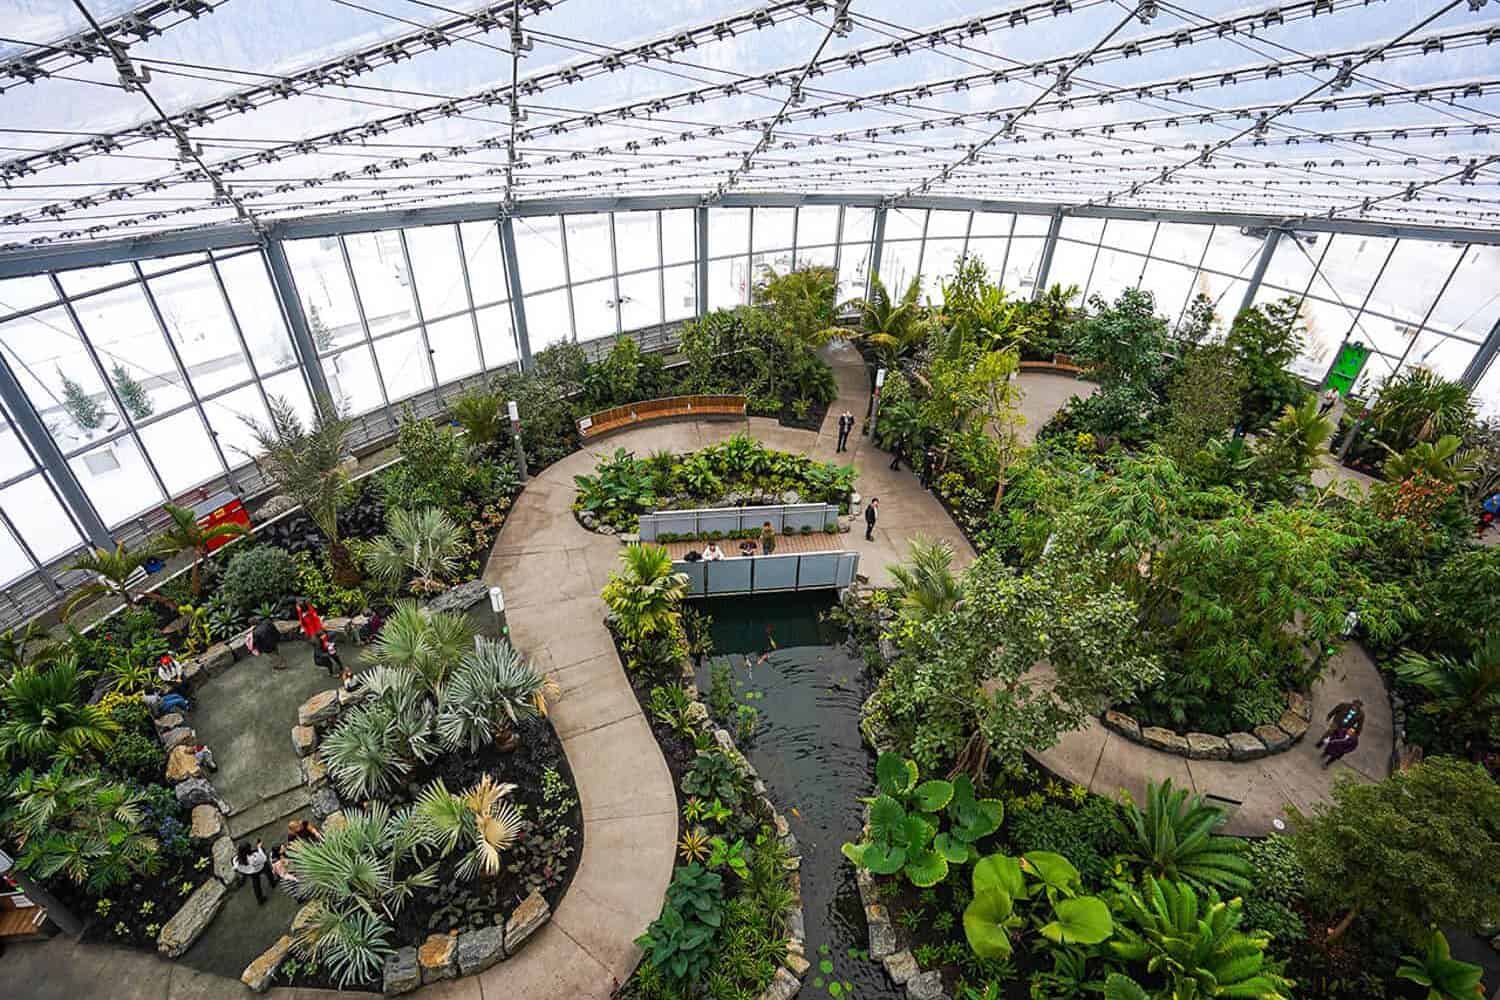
(326, 654)
(929, 466)
(1489, 511)
(747, 547)
(1344, 715)
(1340, 743)
(1351, 622)
(712, 552)
(692, 556)
(204, 757)
(279, 858)
(164, 704)
(872, 514)
(169, 671)
(349, 681)
(897, 449)
(767, 539)
(264, 640)
(371, 628)
(846, 424)
(301, 829)
(252, 863)
(311, 621)
(1329, 399)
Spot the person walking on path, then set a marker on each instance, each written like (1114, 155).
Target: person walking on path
(896, 451)
(1329, 399)
(767, 539)
(1348, 715)
(872, 514)
(252, 863)
(1341, 742)
(929, 466)
(308, 617)
(264, 639)
(326, 654)
(846, 424)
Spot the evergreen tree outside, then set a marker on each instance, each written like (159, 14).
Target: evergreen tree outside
(321, 334)
(133, 395)
(79, 405)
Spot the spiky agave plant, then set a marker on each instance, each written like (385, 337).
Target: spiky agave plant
(482, 820)
(491, 690)
(425, 543)
(1173, 838)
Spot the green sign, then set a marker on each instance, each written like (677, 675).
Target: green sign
(1346, 369)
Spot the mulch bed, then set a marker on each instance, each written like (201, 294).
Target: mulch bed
(161, 894)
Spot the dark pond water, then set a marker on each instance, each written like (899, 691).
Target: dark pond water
(808, 689)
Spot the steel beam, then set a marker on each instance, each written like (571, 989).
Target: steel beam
(1044, 266)
(877, 247)
(28, 424)
(700, 267)
(296, 321)
(517, 299)
(1482, 357)
(1267, 251)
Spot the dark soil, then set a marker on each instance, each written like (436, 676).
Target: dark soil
(812, 422)
(130, 909)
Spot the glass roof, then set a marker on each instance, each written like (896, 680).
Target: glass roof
(125, 118)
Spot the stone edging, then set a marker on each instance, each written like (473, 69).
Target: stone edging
(788, 977)
(1262, 741)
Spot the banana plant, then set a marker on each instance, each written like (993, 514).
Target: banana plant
(1445, 977)
(1001, 882)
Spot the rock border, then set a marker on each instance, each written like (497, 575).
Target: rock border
(1262, 741)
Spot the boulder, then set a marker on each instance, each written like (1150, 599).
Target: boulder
(1204, 746)
(926, 986)
(402, 973)
(1244, 746)
(460, 598)
(437, 958)
(1164, 739)
(320, 708)
(192, 674)
(216, 658)
(177, 737)
(1275, 739)
(259, 973)
(196, 792)
(1298, 704)
(882, 935)
(791, 497)
(224, 861)
(304, 738)
(901, 967)
(888, 650)
(796, 926)
(1123, 724)
(167, 723)
(783, 986)
(796, 964)
(1294, 725)
(355, 697)
(288, 629)
(188, 923)
(182, 765)
(697, 714)
(478, 950)
(334, 820)
(531, 914)
(324, 803)
(207, 822)
(314, 771)
(274, 507)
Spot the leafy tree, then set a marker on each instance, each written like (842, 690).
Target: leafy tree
(925, 581)
(483, 416)
(46, 714)
(113, 576)
(891, 327)
(187, 533)
(1267, 339)
(1420, 847)
(1458, 601)
(1173, 838)
(307, 464)
(1124, 343)
(1199, 321)
(1445, 977)
(1417, 405)
(78, 404)
(993, 380)
(1466, 693)
(133, 395)
(1203, 401)
(802, 302)
(645, 593)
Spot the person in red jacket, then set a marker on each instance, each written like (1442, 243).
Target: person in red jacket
(311, 621)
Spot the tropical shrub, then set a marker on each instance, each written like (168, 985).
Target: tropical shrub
(679, 943)
(644, 594)
(79, 825)
(434, 471)
(46, 715)
(479, 820)
(1001, 882)
(482, 415)
(619, 486)
(428, 643)
(264, 574)
(1417, 405)
(1172, 838)
(1465, 693)
(487, 694)
(378, 743)
(1445, 977)
(1267, 339)
(424, 543)
(926, 583)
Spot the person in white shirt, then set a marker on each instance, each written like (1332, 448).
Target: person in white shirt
(253, 863)
(713, 553)
(169, 671)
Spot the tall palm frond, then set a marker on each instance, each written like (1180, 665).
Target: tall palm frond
(481, 818)
(428, 642)
(45, 714)
(645, 593)
(1464, 691)
(1173, 838)
(425, 542)
(187, 534)
(926, 581)
(113, 573)
(892, 327)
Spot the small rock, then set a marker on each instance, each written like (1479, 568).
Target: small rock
(321, 707)
(478, 950)
(207, 822)
(167, 723)
(888, 650)
(1244, 746)
(274, 507)
(757, 787)
(901, 967)
(926, 986)
(588, 519)
(882, 935)
(173, 738)
(794, 883)
(287, 629)
(334, 820)
(531, 914)
(1273, 737)
(1203, 746)
(796, 925)
(779, 821)
(696, 713)
(216, 658)
(259, 973)
(182, 765)
(223, 851)
(1123, 724)
(783, 986)
(196, 792)
(314, 771)
(1294, 725)
(179, 933)
(437, 958)
(402, 973)
(324, 803)
(796, 964)
(1298, 705)
(791, 497)
(193, 673)
(304, 738)
(607, 529)
(1164, 739)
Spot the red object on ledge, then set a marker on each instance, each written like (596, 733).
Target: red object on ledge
(221, 508)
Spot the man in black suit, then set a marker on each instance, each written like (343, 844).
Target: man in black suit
(872, 514)
(846, 424)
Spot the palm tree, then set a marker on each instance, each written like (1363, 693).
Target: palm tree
(1173, 838)
(112, 577)
(31, 644)
(482, 416)
(1464, 691)
(926, 581)
(187, 533)
(480, 817)
(892, 328)
(428, 643)
(491, 690)
(426, 542)
(307, 464)
(644, 595)
(1295, 441)
(1442, 460)
(45, 714)
(91, 830)
(803, 300)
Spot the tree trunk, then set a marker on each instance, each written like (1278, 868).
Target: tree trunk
(345, 571)
(1339, 929)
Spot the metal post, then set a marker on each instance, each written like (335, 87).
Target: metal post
(416, 301)
(515, 435)
(1267, 251)
(364, 325)
(463, 265)
(877, 247)
(29, 426)
(700, 280)
(1044, 266)
(614, 275)
(517, 300)
(296, 321)
(1482, 357)
(562, 234)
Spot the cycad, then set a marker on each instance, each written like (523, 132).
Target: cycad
(112, 572)
(1295, 440)
(428, 642)
(425, 543)
(1464, 691)
(45, 715)
(491, 690)
(1173, 838)
(187, 533)
(645, 593)
(80, 826)
(926, 581)
(1443, 461)
(481, 819)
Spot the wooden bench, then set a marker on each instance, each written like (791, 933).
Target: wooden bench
(596, 425)
(1054, 367)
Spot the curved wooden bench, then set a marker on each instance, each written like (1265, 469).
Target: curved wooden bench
(1052, 367)
(604, 422)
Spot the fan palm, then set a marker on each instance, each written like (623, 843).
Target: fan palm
(480, 819)
(187, 533)
(76, 824)
(357, 864)
(926, 581)
(45, 715)
(427, 642)
(1445, 977)
(349, 942)
(491, 690)
(307, 464)
(1419, 405)
(112, 573)
(1464, 691)
(645, 593)
(425, 542)
(1442, 460)
(892, 328)
(1173, 838)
